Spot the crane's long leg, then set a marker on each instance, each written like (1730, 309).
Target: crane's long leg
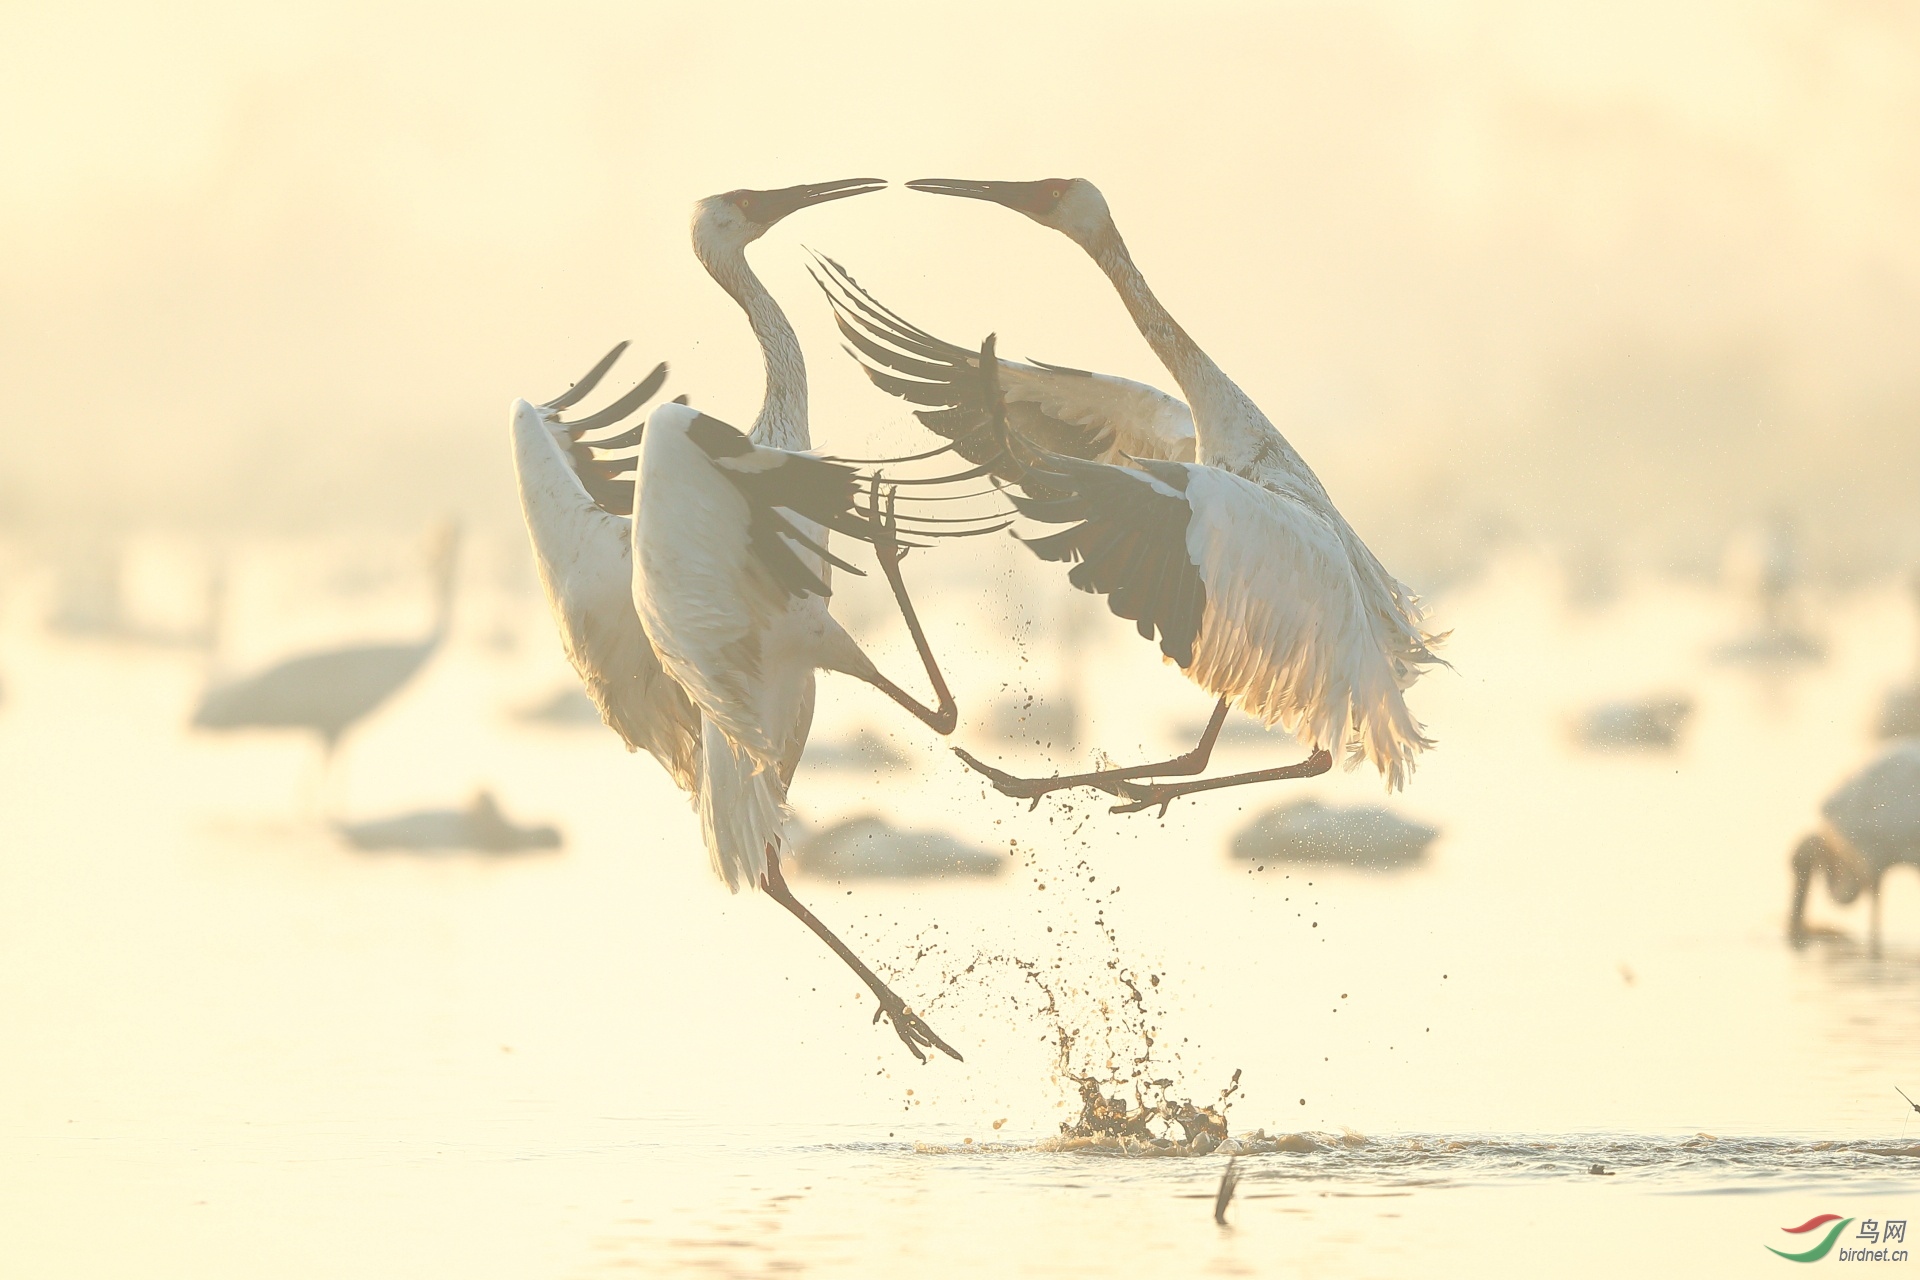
(906, 1023)
(1145, 795)
(1873, 921)
(320, 803)
(1108, 780)
(943, 718)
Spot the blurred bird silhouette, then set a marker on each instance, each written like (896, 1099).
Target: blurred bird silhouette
(1363, 836)
(1871, 824)
(1900, 713)
(329, 692)
(1764, 563)
(1651, 723)
(90, 603)
(868, 847)
(479, 828)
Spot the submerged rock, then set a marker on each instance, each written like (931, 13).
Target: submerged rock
(478, 828)
(868, 846)
(1363, 836)
(1653, 722)
(1783, 645)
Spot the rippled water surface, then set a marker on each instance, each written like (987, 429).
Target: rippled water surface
(236, 1048)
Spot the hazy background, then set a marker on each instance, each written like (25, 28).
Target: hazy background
(1618, 277)
(1565, 306)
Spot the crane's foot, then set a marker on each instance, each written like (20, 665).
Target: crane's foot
(1144, 795)
(913, 1032)
(1019, 788)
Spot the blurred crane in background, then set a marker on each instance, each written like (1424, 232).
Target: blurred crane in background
(1764, 562)
(329, 692)
(1870, 825)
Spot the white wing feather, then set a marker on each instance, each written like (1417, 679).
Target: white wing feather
(1134, 419)
(586, 569)
(1291, 632)
(704, 601)
(1145, 421)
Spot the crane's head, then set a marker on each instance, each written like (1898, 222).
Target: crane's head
(1846, 873)
(735, 219)
(1072, 206)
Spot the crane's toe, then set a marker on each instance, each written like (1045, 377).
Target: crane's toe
(1144, 795)
(913, 1032)
(1005, 783)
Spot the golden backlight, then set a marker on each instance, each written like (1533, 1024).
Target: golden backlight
(1586, 316)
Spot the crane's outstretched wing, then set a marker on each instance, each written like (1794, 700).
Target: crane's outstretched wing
(1251, 592)
(793, 498)
(1128, 546)
(1066, 411)
(585, 560)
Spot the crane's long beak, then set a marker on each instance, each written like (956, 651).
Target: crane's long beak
(788, 200)
(1014, 195)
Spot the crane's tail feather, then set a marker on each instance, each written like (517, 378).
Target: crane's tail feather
(743, 810)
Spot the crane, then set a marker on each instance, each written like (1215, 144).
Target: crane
(1871, 824)
(730, 585)
(1197, 521)
(576, 508)
(329, 692)
(574, 503)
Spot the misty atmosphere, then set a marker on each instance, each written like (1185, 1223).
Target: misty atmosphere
(369, 804)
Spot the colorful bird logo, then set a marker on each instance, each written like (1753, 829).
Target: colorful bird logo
(1825, 1246)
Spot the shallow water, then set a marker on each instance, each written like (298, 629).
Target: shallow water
(236, 1048)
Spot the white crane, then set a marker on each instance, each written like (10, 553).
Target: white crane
(730, 585)
(576, 509)
(587, 555)
(329, 692)
(1871, 824)
(1219, 538)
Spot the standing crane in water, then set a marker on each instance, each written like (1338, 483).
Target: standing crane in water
(329, 692)
(731, 572)
(1870, 825)
(1197, 521)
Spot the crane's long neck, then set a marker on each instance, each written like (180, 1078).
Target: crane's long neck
(782, 423)
(442, 599)
(1229, 428)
